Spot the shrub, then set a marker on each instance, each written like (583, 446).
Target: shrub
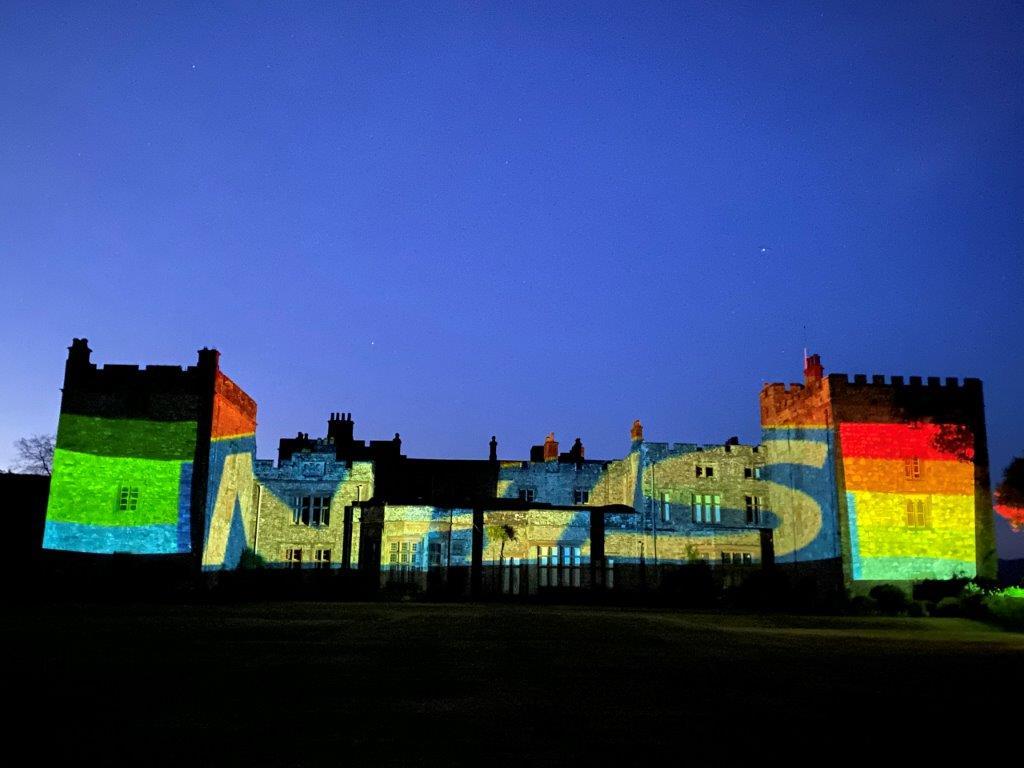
(946, 607)
(891, 599)
(862, 605)
(1007, 607)
(249, 560)
(934, 590)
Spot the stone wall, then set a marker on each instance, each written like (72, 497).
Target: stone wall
(915, 499)
(309, 475)
(127, 443)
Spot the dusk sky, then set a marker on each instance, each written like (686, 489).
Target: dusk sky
(463, 220)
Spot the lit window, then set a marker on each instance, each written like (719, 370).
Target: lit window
(666, 509)
(580, 496)
(707, 508)
(748, 559)
(408, 553)
(559, 566)
(912, 468)
(128, 498)
(403, 560)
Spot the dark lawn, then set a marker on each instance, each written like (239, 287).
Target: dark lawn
(298, 683)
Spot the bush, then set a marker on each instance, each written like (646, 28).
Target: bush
(892, 600)
(1006, 607)
(250, 560)
(935, 590)
(863, 606)
(947, 607)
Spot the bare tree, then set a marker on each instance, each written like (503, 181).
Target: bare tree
(35, 454)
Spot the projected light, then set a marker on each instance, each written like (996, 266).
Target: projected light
(229, 509)
(910, 502)
(121, 485)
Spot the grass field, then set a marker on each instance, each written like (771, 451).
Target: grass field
(337, 684)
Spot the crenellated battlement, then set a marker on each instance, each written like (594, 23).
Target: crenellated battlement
(82, 373)
(879, 380)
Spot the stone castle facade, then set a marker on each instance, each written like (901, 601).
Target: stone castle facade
(855, 482)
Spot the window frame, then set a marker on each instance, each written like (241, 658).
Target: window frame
(312, 511)
(918, 511)
(706, 508)
(319, 559)
(912, 468)
(127, 497)
(754, 507)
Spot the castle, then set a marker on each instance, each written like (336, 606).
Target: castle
(855, 482)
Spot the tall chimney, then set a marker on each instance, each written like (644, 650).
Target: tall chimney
(550, 447)
(78, 364)
(813, 370)
(577, 452)
(339, 428)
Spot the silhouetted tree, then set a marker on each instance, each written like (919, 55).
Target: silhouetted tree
(502, 533)
(35, 454)
(955, 440)
(1010, 494)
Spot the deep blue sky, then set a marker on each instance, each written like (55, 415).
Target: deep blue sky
(456, 221)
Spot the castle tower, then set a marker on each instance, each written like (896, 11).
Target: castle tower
(141, 457)
(884, 479)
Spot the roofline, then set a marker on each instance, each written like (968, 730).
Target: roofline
(505, 505)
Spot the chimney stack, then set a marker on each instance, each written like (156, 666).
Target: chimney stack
(813, 370)
(339, 428)
(550, 447)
